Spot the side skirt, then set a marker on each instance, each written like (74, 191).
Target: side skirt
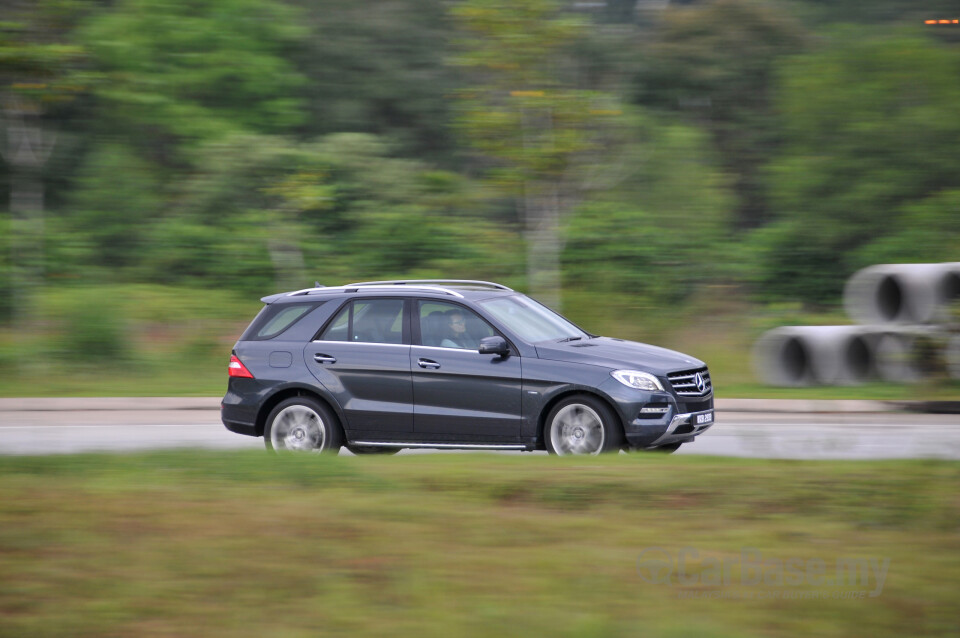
(448, 446)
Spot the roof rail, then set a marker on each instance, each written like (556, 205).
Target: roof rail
(404, 282)
(371, 286)
(306, 291)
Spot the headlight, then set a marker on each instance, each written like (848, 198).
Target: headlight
(637, 379)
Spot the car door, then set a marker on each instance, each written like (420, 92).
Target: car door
(458, 392)
(363, 358)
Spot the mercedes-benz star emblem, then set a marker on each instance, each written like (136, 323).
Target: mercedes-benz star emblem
(701, 386)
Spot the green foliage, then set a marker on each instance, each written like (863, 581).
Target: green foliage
(269, 213)
(657, 232)
(197, 69)
(396, 217)
(116, 197)
(37, 84)
(714, 64)
(872, 127)
(900, 12)
(521, 112)
(927, 231)
(6, 272)
(35, 67)
(379, 68)
(525, 116)
(89, 331)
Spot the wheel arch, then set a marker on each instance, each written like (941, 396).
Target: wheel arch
(294, 391)
(566, 394)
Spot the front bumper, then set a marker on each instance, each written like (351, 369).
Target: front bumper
(683, 427)
(680, 421)
(677, 427)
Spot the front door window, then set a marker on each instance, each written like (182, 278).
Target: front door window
(447, 325)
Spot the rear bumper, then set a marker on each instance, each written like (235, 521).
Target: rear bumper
(240, 428)
(238, 415)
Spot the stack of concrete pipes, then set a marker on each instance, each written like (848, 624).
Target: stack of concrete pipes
(907, 332)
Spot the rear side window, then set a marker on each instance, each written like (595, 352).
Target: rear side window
(275, 319)
(368, 321)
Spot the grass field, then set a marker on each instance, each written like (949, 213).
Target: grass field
(247, 544)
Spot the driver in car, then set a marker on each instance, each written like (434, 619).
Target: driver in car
(457, 336)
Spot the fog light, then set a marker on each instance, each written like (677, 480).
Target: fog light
(649, 410)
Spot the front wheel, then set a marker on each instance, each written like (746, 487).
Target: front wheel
(582, 425)
(302, 424)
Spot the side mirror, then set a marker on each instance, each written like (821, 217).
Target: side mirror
(494, 345)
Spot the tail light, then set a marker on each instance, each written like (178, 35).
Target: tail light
(237, 369)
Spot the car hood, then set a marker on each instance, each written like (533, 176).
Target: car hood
(617, 353)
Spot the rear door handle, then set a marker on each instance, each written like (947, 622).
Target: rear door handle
(428, 363)
(324, 358)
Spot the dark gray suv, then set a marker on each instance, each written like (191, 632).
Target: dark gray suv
(384, 365)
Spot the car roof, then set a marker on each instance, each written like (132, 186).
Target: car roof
(440, 289)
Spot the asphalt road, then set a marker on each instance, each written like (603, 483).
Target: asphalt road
(34, 429)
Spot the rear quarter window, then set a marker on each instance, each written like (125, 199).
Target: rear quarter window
(275, 319)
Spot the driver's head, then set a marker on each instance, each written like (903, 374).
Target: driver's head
(457, 323)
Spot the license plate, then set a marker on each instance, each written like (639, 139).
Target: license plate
(705, 418)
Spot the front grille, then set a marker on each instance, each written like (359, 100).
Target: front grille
(685, 382)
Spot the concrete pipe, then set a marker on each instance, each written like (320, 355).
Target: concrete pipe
(910, 355)
(953, 357)
(903, 293)
(804, 355)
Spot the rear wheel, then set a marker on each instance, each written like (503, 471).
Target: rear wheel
(582, 425)
(302, 424)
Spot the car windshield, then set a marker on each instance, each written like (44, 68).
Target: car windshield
(530, 320)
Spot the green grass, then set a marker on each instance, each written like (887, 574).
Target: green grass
(203, 375)
(248, 544)
(125, 340)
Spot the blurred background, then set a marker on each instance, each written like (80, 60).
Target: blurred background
(687, 173)
(697, 174)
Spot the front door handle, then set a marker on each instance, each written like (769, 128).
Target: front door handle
(324, 358)
(429, 364)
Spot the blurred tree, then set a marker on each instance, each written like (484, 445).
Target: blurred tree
(660, 231)
(927, 231)
(171, 74)
(383, 217)
(901, 12)
(224, 225)
(714, 63)
(36, 66)
(379, 67)
(170, 79)
(539, 131)
(270, 213)
(872, 124)
(116, 196)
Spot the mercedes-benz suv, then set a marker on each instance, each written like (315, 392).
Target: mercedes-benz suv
(385, 365)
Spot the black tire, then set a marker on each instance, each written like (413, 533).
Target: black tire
(302, 424)
(582, 424)
(363, 450)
